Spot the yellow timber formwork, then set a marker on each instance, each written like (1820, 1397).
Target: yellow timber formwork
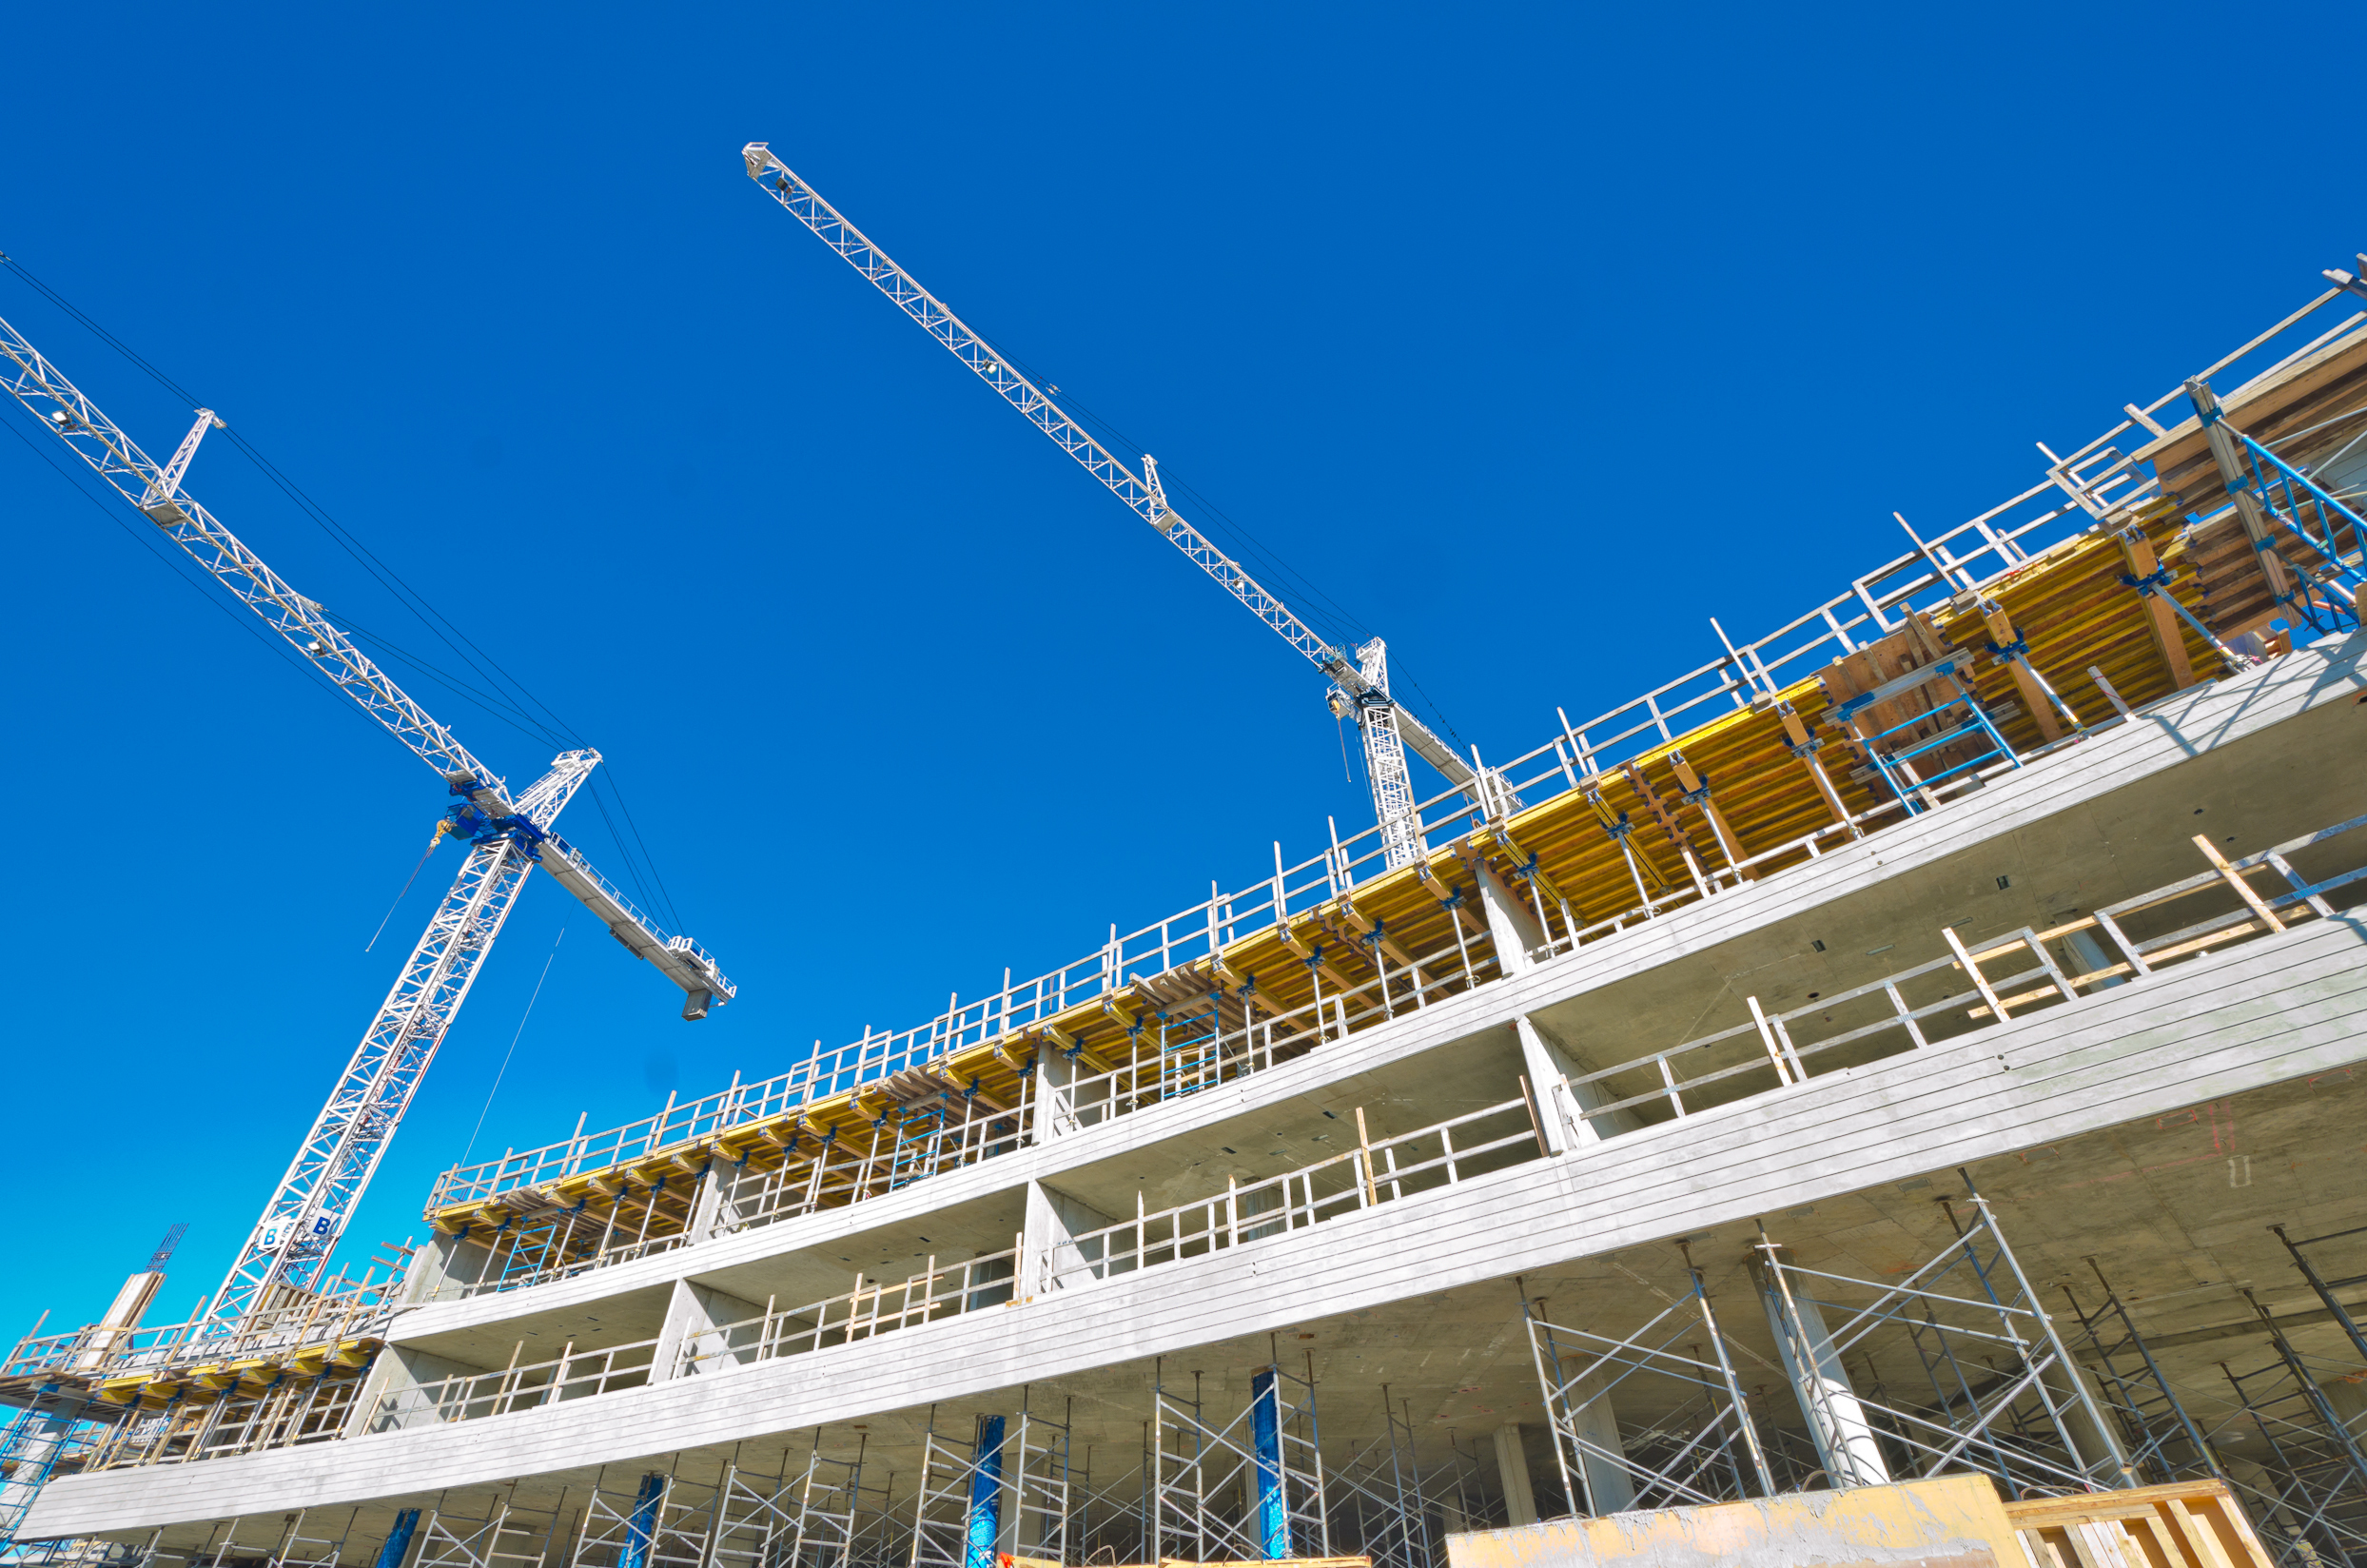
(1729, 799)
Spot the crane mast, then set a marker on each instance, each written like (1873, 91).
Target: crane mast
(307, 1212)
(1359, 680)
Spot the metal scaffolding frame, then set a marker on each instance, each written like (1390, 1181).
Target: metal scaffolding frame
(666, 1523)
(1380, 1489)
(1008, 1488)
(2163, 1442)
(2007, 1398)
(504, 1535)
(1245, 1487)
(1705, 1449)
(2315, 1499)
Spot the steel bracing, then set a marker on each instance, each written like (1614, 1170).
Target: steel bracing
(2005, 1397)
(1250, 1488)
(1363, 678)
(1703, 1449)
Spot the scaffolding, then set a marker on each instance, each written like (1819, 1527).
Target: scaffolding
(2005, 1398)
(1377, 1500)
(1251, 1488)
(505, 1535)
(1701, 1448)
(1006, 1495)
(2313, 1487)
(664, 1522)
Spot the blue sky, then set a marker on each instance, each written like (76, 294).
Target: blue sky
(1532, 337)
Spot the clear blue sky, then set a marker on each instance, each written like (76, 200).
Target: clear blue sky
(1533, 337)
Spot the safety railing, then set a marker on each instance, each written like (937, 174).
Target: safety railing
(1378, 1170)
(97, 1352)
(292, 1411)
(1959, 991)
(1192, 1052)
(871, 1310)
(472, 1395)
(2094, 486)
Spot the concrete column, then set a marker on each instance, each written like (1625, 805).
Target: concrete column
(1511, 925)
(1551, 1066)
(1054, 1114)
(400, 1370)
(695, 1319)
(1513, 928)
(1845, 1439)
(1054, 1259)
(1609, 1488)
(710, 1203)
(1512, 1466)
(443, 1269)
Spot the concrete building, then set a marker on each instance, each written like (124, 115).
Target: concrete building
(1925, 1040)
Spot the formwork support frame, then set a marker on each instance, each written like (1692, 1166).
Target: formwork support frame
(1712, 1451)
(1382, 1485)
(1251, 1488)
(1966, 1308)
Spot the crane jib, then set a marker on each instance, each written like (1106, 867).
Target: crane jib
(1386, 730)
(305, 1217)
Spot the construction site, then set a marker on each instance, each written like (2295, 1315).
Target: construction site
(1915, 1055)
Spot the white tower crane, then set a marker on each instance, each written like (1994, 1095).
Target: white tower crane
(506, 835)
(1359, 683)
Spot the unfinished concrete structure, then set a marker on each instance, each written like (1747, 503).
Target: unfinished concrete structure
(1919, 1042)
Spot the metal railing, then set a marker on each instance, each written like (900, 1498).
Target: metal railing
(871, 1310)
(472, 1395)
(2094, 487)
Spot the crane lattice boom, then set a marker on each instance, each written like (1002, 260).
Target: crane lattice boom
(307, 1212)
(1393, 794)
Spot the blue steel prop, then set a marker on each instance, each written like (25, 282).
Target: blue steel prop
(984, 1525)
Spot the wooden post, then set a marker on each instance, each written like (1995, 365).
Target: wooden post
(2169, 638)
(2243, 889)
(2033, 696)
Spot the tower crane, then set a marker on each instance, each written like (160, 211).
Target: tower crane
(507, 832)
(1359, 678)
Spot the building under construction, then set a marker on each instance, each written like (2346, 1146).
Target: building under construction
(1926, 1040)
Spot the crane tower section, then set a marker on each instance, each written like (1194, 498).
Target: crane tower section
(307, 1212)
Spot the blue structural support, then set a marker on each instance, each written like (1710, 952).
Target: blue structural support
(643, 1529)
(398, 1543)
(984, 1524)
(1266, 1419)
